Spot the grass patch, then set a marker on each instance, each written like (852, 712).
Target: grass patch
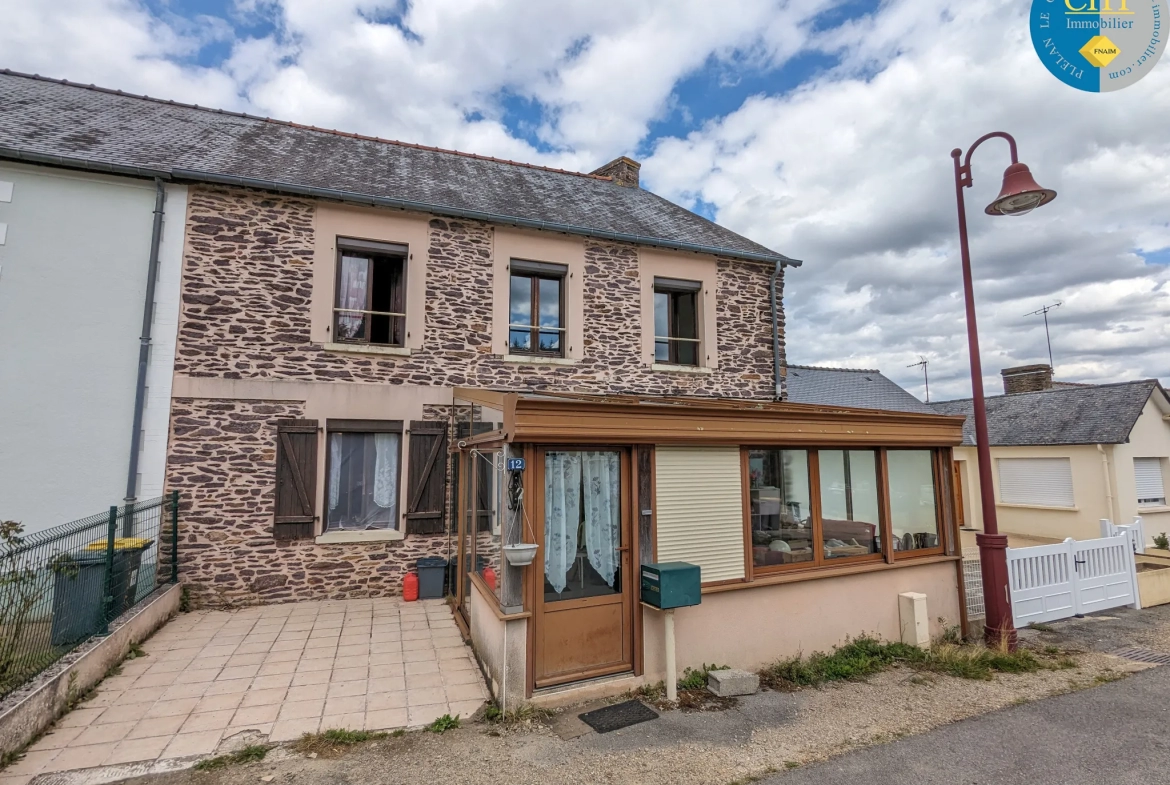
(1041, 627)
(333, 740)
(135, 651)
(444, 724)
(696, 679)
(866, 656)
(249, 754)
(526, 714)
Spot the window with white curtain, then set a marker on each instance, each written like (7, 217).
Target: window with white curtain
(362, 476)
(1151, 489)
(1044, 482)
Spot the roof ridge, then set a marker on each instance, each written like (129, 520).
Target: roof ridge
(826, 368)
(302, 126)
(1079, 388)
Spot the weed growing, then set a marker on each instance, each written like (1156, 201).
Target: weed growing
(250, 754)
(866, 656)
(333, 740)
(444, 724)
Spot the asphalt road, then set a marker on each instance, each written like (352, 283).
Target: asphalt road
(1118, 733)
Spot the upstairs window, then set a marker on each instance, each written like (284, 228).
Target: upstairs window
(536, 308)
(371, 293)
(1151, 490)
(676, 321)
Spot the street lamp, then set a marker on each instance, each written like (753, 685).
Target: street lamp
(1019, 195)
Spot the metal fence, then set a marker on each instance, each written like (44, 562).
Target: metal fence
(973, 581)
(61, 586)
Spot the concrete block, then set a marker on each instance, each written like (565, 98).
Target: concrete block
(731, 682)
(915, 623)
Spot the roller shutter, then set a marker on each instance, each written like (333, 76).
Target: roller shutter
(699, 516)
(1045, 482)
(1151, 491)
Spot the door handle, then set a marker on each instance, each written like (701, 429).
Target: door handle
(622, 548)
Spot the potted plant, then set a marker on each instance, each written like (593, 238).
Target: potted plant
(521, 554)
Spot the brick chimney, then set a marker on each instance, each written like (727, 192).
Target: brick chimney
(624, 171)
(1026, 378)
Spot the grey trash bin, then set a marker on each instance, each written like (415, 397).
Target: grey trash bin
(79, 589)
(431, 571)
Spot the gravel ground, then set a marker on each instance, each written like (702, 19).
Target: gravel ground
(763, 733)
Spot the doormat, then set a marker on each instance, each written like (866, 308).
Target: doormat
(1138, 654)
(618, 716)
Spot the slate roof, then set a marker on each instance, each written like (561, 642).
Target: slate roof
(1098, 414)
(50, 121)
(858, 388)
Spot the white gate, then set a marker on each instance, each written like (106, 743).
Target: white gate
(1050, 582)
(1041, 580)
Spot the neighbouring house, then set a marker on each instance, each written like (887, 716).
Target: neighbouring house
(388, 352)
(75, 274)
(1065, 456)
(854, 387)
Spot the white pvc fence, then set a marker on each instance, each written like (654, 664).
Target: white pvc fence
(1050, 582)
(1136, 532)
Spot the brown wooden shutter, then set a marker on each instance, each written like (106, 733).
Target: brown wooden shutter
(428, 478)
(296, 479)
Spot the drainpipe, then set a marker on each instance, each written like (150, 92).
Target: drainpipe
(1108, 485)
(780, 265)
(144, 341)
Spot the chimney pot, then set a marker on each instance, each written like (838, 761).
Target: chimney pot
(624, 171)
(1026, 378)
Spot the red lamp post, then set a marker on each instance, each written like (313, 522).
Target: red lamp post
(1019, 195)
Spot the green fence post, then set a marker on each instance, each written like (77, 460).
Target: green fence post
(108, 597)
(174, 536)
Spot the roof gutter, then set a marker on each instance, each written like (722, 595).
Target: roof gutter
(87, 164)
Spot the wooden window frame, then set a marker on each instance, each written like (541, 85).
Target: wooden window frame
(361, 426)
(537, 272)
(819, 563)
(369, 250)
(672, 288)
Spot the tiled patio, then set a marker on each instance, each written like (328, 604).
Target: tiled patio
(280, 670)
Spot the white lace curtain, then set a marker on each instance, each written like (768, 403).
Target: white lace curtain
(355, 275)
(576, 483)
(562, 515)
(349, 464)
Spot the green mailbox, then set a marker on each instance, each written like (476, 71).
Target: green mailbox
(673, 584)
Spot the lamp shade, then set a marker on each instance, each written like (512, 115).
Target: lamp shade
(1020, 194)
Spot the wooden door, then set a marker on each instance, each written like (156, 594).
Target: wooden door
(957, 473)
(583, 624)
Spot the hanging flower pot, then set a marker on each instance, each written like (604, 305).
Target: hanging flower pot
(521, 554)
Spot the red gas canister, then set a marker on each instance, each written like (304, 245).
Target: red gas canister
(489, 577)
(410, 587)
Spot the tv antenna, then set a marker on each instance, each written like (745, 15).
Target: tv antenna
(925, 377)
(1048, 337)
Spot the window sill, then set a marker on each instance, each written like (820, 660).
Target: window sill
(362, 348)
(1151, 510)
(671, 368)
(373, 535)
(525, 359)
(820, 573)
(1038, 507)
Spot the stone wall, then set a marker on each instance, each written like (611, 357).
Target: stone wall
(222, 461)
(245, 314)
(248, 282)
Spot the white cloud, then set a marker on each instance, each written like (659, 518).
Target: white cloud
(853, 173)
(850, 171)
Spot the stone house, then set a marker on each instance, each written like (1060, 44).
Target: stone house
(1065, 456)
(388, 352)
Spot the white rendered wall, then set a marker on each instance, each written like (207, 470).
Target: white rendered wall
(73, 270)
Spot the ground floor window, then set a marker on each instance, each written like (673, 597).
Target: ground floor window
(362, 462)
(810, 507)
(913, 507)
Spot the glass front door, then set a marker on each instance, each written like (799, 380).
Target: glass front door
(584, 604)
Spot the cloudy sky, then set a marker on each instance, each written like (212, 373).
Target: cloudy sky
(820, 128)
